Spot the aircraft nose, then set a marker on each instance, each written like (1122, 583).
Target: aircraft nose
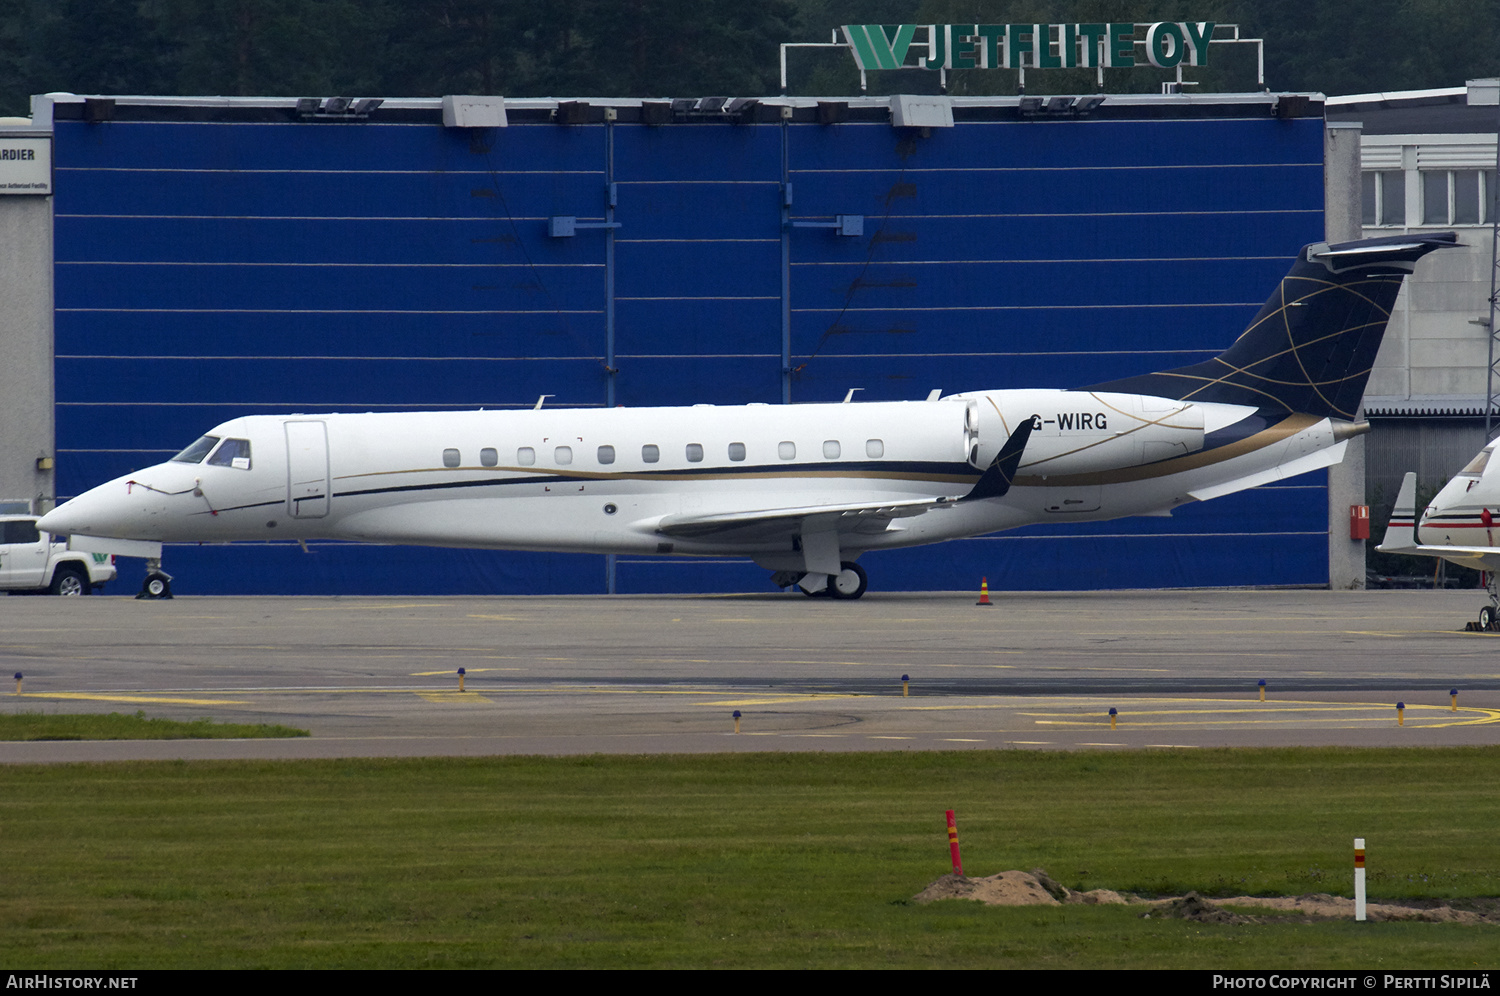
(121, 509)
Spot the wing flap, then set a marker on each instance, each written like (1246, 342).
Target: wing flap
(688, 526)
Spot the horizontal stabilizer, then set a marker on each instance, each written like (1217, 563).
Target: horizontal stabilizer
(1302, 465)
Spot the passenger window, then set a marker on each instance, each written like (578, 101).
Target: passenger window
(830, 449)
(874, 448)
(232, 453)
(695, 452)
(737, 451)
(563, 455)
(450, 458)
(488, 457)
(526, 456)
(786, 450)
(606, 454)
(650, 453)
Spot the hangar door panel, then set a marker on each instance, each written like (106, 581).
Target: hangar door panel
(307, 485)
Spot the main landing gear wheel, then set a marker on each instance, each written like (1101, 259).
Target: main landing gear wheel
(156, 585)
(849, 583)
(1486, 617)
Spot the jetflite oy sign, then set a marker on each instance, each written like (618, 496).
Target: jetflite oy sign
(1168, 44)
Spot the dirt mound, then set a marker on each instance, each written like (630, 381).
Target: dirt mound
(1037, 888)
(1194, 907)
(1009, 888)
(1012, 888)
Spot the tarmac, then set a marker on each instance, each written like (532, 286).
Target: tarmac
(372, 677)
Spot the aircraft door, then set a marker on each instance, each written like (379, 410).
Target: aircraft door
(307, 480)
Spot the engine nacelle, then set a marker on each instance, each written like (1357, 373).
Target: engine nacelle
(1081, 432)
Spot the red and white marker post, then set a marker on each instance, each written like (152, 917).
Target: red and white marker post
(1359, 879)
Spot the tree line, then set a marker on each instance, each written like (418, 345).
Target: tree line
(665, 48)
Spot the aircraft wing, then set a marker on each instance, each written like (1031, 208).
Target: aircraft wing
(770, 520)
(995, 482)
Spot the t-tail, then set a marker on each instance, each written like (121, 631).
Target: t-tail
(1311, 348)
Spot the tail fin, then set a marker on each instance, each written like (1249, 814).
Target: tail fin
(1401, 531)
(1311, 348)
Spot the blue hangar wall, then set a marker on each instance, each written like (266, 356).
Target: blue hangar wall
(215, 261)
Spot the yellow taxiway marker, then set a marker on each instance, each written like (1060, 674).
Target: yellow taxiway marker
(454, 698)
(1350, 715)
(141, 699)
(467, 670)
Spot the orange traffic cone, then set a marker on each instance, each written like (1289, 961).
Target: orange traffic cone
(984, 592)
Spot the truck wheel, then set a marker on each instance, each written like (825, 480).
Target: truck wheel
(68, 581)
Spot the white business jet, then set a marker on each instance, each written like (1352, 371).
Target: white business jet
(802, 490)
(1460, 525)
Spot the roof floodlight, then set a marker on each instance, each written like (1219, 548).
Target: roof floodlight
(712, 105)
(365, 105)
(1087, 104)
(1031, 105)
(1059, 105)
(337, 105)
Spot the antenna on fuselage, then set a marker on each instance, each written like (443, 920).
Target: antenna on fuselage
(935, 394)
(538, 406)
(850, 396)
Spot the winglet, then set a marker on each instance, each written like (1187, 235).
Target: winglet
(997, 479)
(1400, 532)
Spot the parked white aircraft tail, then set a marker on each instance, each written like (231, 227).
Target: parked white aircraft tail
(1461, 525)
(803, 490)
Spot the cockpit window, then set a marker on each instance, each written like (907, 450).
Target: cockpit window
(196, 452)
(1476, 465)
(232, 453)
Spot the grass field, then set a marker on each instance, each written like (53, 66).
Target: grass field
(118, 726)
(763, 860)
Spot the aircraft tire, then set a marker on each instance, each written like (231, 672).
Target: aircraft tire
(1486, 618)
(156, 586)
(850, 583)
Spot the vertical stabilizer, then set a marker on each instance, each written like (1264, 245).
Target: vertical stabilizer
(1311, 347)
(1401, 531)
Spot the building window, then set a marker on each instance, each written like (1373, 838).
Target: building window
(1457, 196)
(1383, 195)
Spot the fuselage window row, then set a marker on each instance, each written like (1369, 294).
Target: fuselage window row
(562, 456)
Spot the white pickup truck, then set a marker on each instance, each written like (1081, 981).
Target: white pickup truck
(31, 560)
